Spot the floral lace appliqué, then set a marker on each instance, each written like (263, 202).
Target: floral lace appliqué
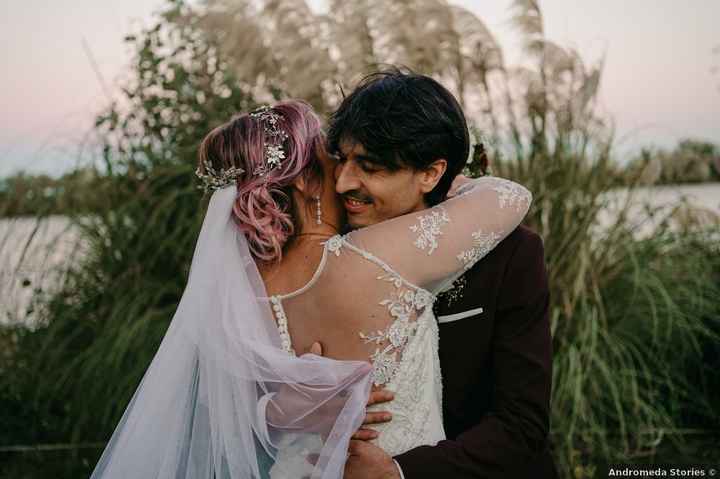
(511, 194)
(403, 302)
(414, 403)
(401, 306)
(483, 243)
(429, 229)
(334, 244)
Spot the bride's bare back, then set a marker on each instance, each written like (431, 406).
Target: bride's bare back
(369, 287)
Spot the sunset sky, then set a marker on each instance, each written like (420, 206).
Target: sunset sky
(659, 84)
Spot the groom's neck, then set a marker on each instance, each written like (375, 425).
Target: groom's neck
(421, 205)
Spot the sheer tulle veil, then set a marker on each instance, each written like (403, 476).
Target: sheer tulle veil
(221, 399)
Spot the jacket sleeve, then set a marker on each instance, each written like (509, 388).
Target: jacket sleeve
(513, 434)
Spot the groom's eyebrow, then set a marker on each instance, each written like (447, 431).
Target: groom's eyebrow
(369, 157)
(359, 157)
(387, 163)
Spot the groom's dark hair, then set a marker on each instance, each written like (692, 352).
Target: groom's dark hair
(406, 120)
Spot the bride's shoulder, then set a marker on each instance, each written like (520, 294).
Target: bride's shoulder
(335, 243)
(351, 241)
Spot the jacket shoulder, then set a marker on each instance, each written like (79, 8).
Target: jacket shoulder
(518, 258)
(524, 235)
(522, 241)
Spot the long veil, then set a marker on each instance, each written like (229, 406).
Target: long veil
(221, 399)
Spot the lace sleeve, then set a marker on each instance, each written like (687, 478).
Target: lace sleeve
(433, 247)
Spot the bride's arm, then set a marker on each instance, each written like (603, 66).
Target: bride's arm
(432, 247)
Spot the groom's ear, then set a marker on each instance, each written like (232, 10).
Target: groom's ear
(431, 175)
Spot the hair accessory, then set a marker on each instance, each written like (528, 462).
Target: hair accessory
(274, 138)
(214, 179)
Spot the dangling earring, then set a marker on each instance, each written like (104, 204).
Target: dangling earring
(318, 211)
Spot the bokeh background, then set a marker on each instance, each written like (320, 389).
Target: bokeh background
(608, 111)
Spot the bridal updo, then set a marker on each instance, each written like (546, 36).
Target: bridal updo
(264, 208)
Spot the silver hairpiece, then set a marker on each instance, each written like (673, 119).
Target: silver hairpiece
(274, 138)
(214, 179)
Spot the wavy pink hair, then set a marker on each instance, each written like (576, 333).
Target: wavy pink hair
(264, 209)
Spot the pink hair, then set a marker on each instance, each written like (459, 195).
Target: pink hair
(263, 208)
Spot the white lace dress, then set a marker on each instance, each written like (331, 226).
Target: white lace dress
(373, 292)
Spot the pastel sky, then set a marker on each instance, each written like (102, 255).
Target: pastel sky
(659, 84)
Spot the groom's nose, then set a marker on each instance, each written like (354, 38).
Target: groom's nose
(346, 177)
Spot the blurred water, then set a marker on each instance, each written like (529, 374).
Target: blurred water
(32, 251)
(684, 203)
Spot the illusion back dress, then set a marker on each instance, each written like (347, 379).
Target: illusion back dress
(371, 299)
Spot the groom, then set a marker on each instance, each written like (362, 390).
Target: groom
(495, 345)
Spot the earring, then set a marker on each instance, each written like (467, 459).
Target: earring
(318, 211)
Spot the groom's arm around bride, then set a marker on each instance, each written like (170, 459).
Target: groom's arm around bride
(496, 366)
(495, 354)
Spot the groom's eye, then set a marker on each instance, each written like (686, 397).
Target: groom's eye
(367, 164)
(370, 167)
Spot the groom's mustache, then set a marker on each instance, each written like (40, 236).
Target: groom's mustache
(357, 196)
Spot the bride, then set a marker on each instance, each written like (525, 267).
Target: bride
(227, 394)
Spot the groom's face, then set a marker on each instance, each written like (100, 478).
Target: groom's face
(372, 193)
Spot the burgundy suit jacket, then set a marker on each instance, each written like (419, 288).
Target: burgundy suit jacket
(496, 368)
